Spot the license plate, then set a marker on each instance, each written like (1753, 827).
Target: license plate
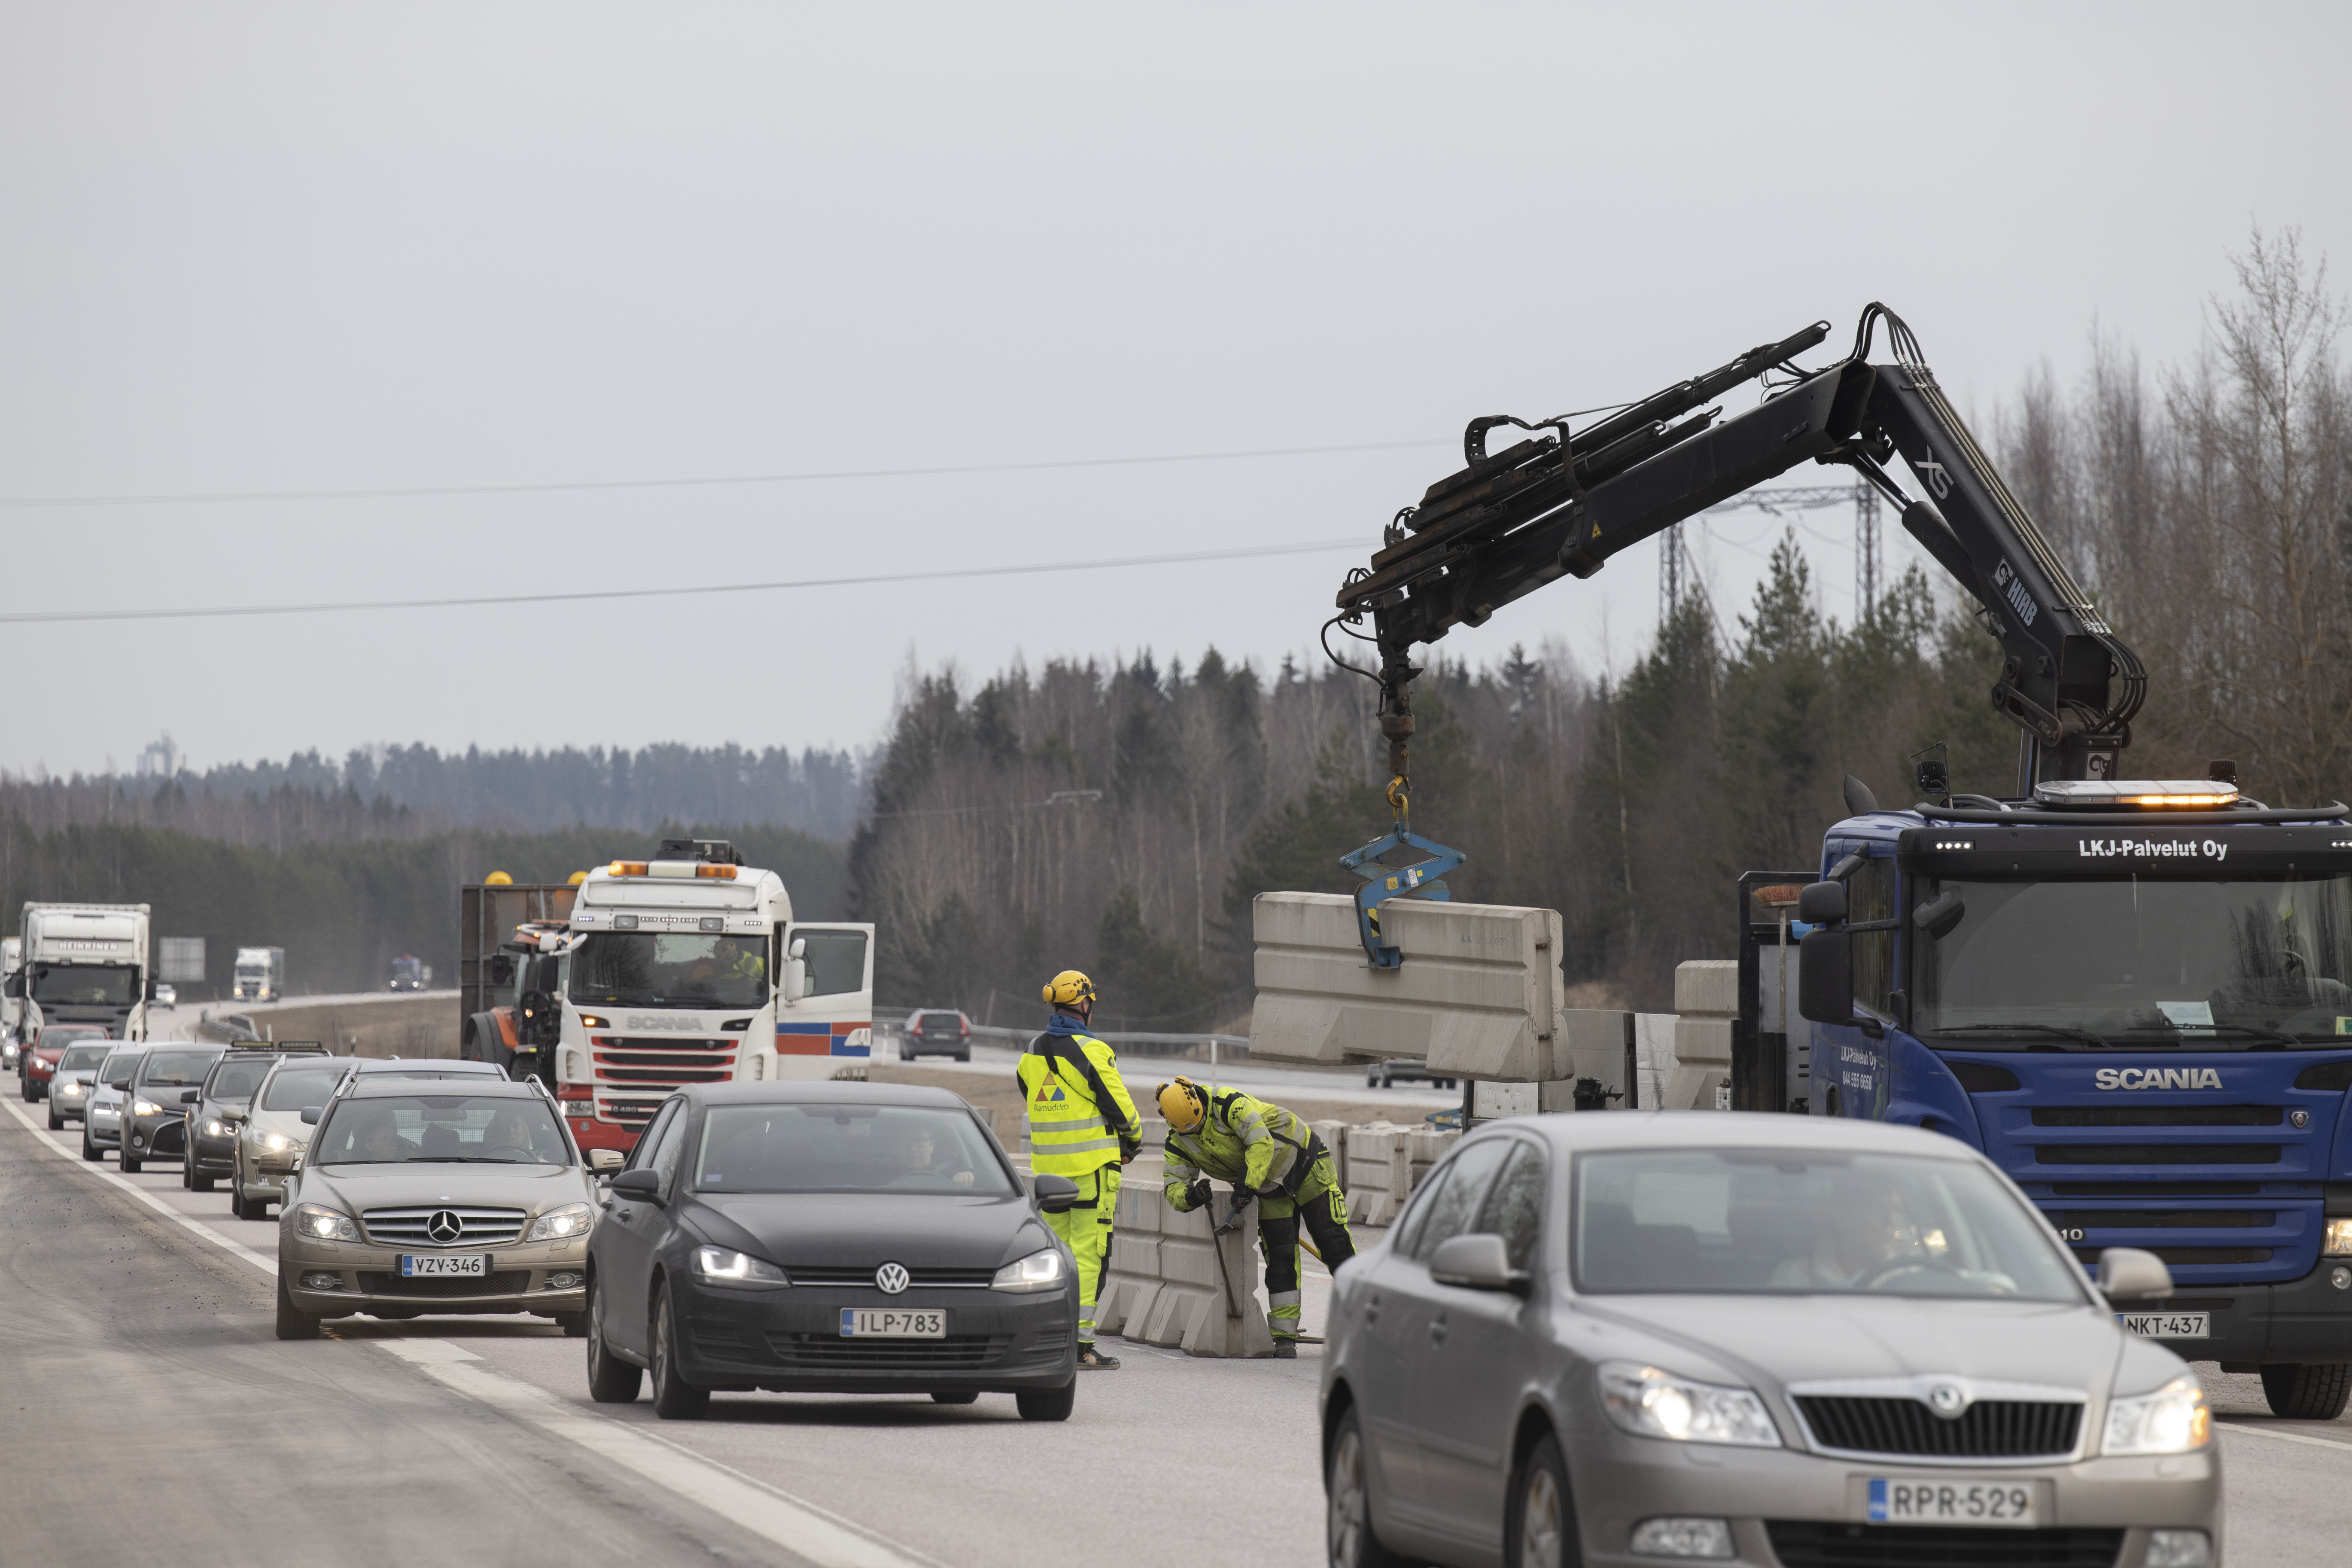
(1931, 1499)
(867, 1322)
(2167, 1325)
(439, 1265)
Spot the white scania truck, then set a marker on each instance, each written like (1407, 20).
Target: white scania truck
(12, 1009)
(261, 974)
(83, 963)
(689, 968)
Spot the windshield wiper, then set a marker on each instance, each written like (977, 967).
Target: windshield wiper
(451, 1160)
(2070, 1030)
(2242, 1031)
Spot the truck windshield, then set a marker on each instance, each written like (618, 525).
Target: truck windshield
(84, 984)
(2140, 962)
(660, 969)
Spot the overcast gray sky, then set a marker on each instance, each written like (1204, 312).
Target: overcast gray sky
(251, 248)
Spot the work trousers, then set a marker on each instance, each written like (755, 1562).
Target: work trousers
(1324, 1209)
(1086, 1225)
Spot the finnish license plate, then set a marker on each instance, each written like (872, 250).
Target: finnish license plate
(2167, 1325)
(867, 1323)
(450, 1266)
(1931, 1499)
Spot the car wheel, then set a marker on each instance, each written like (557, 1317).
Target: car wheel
(1538, 1522)
(1047, 1404)
(29, 1095)
(675, 1399)
(2315, 1391)
(938, 1398)
(611, 1380)
(89, 1151)
(292, 1322)
(573, 1324)
(56, 1122)
(963, 1056)
(132, 1165)
(1348, 1534)
(198, 1184)
(188, 1175)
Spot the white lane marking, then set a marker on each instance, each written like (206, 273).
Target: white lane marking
(2283, 1437)
(822, 1537)
(262, 1261)
(799, 1526)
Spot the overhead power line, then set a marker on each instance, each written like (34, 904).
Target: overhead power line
(503, 601)
(195, 498)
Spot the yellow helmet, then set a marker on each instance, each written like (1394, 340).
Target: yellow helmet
(1068, 987)
(576, 879)
(497, 879)
(1181, 1105)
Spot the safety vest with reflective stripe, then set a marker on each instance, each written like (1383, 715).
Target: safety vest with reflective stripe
(1251, 1142)
(1080, 1117)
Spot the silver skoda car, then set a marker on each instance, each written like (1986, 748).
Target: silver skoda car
(1749, 1339)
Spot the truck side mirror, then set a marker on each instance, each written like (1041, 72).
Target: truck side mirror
(795, 977)
(501, 970)
(14, 985)
(1822, 904)
(1825, 974)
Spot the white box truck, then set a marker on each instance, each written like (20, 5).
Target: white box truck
(12, 1010)
(261, 974)
(83, 963)
(689, 968)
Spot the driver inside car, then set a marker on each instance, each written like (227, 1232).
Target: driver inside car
(1869, 1231)
(380, 1139)
(508, 1137)
(917, 1158)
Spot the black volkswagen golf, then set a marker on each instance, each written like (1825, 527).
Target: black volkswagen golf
(828, 1238)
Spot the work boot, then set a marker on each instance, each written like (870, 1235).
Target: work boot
(1093, 1360)
(1285, 1350)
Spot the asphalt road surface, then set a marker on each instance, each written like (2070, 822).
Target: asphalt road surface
(147, 1414)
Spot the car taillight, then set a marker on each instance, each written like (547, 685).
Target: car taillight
(963, 1029)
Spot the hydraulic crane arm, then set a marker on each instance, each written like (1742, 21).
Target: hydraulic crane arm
(1560, 503)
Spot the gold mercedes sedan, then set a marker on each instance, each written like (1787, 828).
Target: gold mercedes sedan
(412, 1201)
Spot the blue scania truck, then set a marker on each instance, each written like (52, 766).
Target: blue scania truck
(2137, 997)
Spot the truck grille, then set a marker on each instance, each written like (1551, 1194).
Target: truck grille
(2090, 1254)
(2157, 1153)
(1806, 1544)
(413, 1226)
(2157, 1115)
(655, 1063)
(2156, 1189)
(2163, 1219)
(1988, 1429)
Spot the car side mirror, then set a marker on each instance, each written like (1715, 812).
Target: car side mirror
(192, 1096)
(2128, 1274)
(638, 1184)
(1055, 1195)
(1478, 1262)
(232, 1113)
(311, 1114)
(1822, 904)
(606, 1158)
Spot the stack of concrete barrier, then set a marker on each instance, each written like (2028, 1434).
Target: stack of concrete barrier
(1707, 1000)
(1166, 1287)
(1385, 1163)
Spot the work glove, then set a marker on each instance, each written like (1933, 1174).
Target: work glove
(1196, 1197)
(1241, 1196)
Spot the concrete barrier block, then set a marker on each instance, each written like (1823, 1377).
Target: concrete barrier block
(1214, 1331)
(1596, 1040)
(1703, 1088)
(1133, 1307)
(1188, 1263)
(1334, 1134)
(1477, 994)
(1703, 1042)
(1369, 1205)
(1707, 985)
(1171, 1315)
(1653, 1050)
(1194, 1226)
(1141, 1209)
(1117, 1298)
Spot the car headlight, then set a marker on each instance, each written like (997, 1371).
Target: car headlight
(275, 1143)
(729, 1267)
(2339, 1239)
(1653, 1404)
(1038, 1271)
(145, 1107)
(216, 1129)
(324, 1224)
(555, 1225)
(2172, 1420)
(74, 1087)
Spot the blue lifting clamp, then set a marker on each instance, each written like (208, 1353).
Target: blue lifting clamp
(1383, 882)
